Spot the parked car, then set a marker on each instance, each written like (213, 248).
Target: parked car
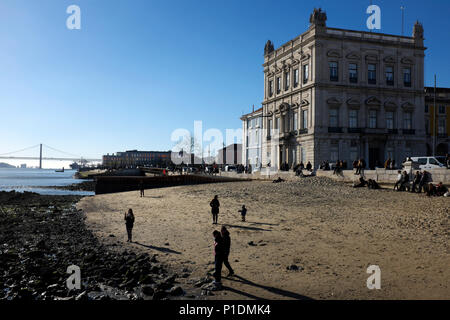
(429, 162)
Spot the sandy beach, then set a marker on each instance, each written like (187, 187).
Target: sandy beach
(328, 230)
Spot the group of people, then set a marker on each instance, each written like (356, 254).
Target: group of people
(359, 165)
(389, 164)
(215, 204)
(370, 183)
(222, 245)
(339, 166)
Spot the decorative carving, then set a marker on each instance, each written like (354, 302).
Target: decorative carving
(418, 30)
(304, 103)
(318, 18)
(407, 106)
(268, 48)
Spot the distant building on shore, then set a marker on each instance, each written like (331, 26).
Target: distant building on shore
(132, 158)
(232, 154)
(23, 166)
(252, 138)
(442, 115)
(337, 94)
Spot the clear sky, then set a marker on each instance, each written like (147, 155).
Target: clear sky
(139, 69)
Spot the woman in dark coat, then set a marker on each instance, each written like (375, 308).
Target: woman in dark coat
(215, 204)
(226, 249)
(129, 222)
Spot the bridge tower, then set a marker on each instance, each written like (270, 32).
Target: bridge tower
(40, 156)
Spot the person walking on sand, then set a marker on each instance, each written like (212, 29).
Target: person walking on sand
(215, 204)
(243, 212)
(226, 249)
(129, 222)
(218, 259)
(141, 188)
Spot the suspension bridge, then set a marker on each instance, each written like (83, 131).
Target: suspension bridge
(67, 156)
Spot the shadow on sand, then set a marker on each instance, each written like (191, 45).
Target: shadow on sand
(281, 292)
(246, 228)
(161, 249)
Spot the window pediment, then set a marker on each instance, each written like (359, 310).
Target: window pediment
(407, 60)
(372, 57)
(390, 59)
(390, 105)
(407, 106)
(373, 102)
(304, 103)
(334, 101)
(353, 56)
(353, 103)
(334, 53)
(304, 56)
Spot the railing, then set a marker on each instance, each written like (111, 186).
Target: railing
(409, 131)
(335, 129)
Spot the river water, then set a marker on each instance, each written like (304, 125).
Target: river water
(33, 180)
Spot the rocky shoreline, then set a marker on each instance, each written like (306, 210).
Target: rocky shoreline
(41, 236)
(82, 186)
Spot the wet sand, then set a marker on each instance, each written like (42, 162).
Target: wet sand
(328, 230)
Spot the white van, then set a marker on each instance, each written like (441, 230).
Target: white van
(429, 162)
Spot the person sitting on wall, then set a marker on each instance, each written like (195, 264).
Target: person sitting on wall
(416, 181)
(327, 165)
(337, 167)
(309, 166)
(430, 190)
(405, 182)
(399, 180)
(372, 184)
(387, 164)
(361, 183)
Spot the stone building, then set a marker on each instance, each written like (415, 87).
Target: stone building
(133, 158)
(252, 138)
(441, 117)
(343, 94)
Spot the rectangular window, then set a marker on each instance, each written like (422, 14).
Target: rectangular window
(407, 120)
(333, 71)
(441, 126)
(353, 119)
(442, 109)
(334, 153)
(270, 88)
(353, 72)
(286, 81)
(389, 76)
(427, 126)
(333, 118)
(277, 123)
(372, 73)
(372, 119)
(305, 73)
(389, 120)
(304, 119)
(426, 108)
(295, 120)
(407, 77)
(278, 84)
(295, 78)
(303, 153)
(269, 127)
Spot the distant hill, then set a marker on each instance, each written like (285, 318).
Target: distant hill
(5, 165)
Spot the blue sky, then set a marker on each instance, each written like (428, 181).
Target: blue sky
(139, 69)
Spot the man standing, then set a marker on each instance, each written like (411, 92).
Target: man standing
(226, 249)
(215, 204)
(218, 260)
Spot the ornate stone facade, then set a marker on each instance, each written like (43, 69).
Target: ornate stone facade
(338, 94)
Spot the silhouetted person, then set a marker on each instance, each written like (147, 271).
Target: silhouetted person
(243, 212)
(440, 189)
(416, 181)
(129, 222)
(215, 204)
(372, 184)
(226, 249)
(399, 180)
(218, 258)
(361, 183)
(423, 181)
(309, 166)
(141, 188)
(405, 181)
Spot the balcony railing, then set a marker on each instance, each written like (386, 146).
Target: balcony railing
(355, 130)
(409, 131)
(335, 129)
